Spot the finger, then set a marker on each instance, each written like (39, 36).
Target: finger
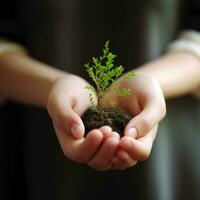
(67, 142)
(122, 160)
(152, 113)
(139, 149)
(101, 161)
(116, 135)
(90, 145)
(61, 111)
(79, 150)
(115, 160)
(107, 131)
(125, 159)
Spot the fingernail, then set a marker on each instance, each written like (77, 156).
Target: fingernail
(115, 134)
(132, 132)
(75, 130)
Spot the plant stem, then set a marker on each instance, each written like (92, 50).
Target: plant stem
(100, 102)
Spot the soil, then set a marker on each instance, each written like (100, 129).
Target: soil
(114, 117)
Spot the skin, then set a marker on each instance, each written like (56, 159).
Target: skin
(64, 95)
(147, 104)
(65, 98)
(173, 74)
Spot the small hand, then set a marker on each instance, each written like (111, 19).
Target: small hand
(101, 161)
(132, 150)
(67, 101)
(147, 104)
(97, 149)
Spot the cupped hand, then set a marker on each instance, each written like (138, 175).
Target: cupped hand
(97, 149)
(146, 103)
(67, 101)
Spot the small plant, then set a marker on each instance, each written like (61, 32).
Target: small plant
(104, 73)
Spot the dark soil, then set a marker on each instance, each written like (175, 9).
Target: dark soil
(116, 118)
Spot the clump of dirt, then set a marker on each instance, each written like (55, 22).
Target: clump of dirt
(114, 117)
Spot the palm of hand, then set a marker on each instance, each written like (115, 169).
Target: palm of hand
(147, 104)
(67, 101)
(102, 149)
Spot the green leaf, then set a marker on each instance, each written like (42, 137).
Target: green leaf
(91, 88)
(103, 72)
(129, 75)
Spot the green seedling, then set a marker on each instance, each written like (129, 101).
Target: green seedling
(104, 73)
(106, 76)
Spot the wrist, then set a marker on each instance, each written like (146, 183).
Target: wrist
(25, 79)
(178, 73)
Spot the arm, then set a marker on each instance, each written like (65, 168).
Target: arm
(30, 81)
(25, 79)
(177, 72)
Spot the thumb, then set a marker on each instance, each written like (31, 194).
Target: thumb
(74, 123)
(140, 125)
(66, 118)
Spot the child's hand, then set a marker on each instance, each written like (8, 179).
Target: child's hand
(68, 99)
(147, 104)
(97, 149)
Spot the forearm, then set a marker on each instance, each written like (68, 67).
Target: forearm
(178, 73)
(25, 79)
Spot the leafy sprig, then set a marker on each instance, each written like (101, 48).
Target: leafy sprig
(103, 73)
